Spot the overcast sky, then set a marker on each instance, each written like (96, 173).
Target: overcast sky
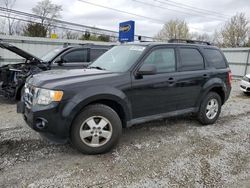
(83, 13)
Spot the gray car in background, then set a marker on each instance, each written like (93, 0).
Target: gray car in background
(13, 76)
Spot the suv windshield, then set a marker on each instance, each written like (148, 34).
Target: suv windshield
(119, 58)
(50, 55)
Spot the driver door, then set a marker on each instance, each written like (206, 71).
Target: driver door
(155, 94)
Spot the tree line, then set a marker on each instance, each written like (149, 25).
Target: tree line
(44, 25)
(234, 33)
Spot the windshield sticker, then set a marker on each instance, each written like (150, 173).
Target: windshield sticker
(137, 48)
(58, 49)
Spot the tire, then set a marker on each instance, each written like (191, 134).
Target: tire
(247, 93)
(209, 102)
(96, 129)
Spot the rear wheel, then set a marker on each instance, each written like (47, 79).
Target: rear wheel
(210, 108)
(96, 129)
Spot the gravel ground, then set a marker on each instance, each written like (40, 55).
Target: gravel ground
(176, 152)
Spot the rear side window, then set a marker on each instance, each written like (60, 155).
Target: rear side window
(215, 58)
(163, 59)
(95, 53)
(191, 59)
(76, 56)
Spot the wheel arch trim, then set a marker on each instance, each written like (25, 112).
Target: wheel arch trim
(92, 95)
(210, 86)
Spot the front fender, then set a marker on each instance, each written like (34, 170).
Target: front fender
(90, 95)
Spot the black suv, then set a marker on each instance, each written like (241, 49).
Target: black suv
(129, 84)
(13, 76)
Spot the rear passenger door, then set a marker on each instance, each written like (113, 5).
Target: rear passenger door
(192, 76)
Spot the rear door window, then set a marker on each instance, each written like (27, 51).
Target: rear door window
(215, 58)
(95, 53)
(191, 59)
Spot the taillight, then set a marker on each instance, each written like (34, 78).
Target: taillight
(230, 77)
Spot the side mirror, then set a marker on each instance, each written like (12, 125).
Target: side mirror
(59, 61)
(147, 70)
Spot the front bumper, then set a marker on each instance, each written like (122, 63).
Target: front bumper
(245, 86)
(46, 120)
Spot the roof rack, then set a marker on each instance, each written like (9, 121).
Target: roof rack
(188, 41)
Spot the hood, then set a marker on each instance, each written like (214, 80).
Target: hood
(59, 78)
(19, 51)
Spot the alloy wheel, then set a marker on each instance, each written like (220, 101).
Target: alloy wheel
(96, 131)
(212, 108)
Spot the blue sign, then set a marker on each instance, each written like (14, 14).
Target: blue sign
(126, 31)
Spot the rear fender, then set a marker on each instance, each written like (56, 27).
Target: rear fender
(208, 86)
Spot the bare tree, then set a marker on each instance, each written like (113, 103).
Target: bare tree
(2, 26)
(70, 34)
(47, 11)
(199, 36)
(217, 39)
(174, 29)
(248, 43)
(235, 31)
(9, 4)
(18, 28)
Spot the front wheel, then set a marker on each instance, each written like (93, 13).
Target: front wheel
(210, 108)
(96, 129)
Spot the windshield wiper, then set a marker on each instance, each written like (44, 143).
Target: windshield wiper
(96, 67)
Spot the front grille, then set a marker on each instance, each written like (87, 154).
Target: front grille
(29, 95)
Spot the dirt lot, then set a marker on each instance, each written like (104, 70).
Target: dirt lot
(176, 152)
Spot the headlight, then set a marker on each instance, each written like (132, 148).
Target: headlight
(45, 96)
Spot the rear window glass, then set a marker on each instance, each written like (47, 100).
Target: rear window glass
(215, 58)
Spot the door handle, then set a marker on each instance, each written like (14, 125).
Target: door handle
(205, 76)
(171, 80)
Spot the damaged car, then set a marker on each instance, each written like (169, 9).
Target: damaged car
(13, 76)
